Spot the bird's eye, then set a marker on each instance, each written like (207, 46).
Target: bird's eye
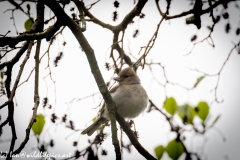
(126, 76)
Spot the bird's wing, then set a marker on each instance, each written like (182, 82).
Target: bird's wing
(114, 89)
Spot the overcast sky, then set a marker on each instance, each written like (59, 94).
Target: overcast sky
(74, 80)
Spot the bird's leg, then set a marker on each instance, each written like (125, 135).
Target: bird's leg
(132, 124)
(135, 130)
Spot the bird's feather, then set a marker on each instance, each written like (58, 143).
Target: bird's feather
(92, 128)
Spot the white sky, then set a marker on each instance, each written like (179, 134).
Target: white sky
(74, 80)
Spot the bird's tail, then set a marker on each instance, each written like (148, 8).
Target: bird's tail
(93, 127)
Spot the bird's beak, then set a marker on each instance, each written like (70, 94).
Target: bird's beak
(117, 79)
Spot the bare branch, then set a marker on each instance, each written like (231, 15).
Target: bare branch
(36, 100)
(152, 40)
(12, 41)
(80, 6)
(93, 65)
(40, 13)
(16, 58)
(185, 13)
(133, 138)
(11, 105)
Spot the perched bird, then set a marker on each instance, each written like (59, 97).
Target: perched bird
(129, 96)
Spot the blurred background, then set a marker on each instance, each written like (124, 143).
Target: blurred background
(72, 90)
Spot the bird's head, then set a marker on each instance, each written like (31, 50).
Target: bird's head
(127, 76)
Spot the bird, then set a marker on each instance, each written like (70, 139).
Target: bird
(129, 96)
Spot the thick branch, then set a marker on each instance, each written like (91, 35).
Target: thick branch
(12, 41)
(123, 25)
(58, 11)
(115, 29)
(129, 17)
(80, 5)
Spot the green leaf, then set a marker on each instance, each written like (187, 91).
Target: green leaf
(94, 119)
(175, 149)
(159, 150)
(199, 79)
(191, 113)
(28, 24)
(182, 110)
(186, 113)
(37, 127)
(202, 110)
(2, 75)
(216, 119)
(170, 105)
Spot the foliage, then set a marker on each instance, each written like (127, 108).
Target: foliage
(175, 149)
(170, 105)
(37, 127)
(159, 150)
(28, 24)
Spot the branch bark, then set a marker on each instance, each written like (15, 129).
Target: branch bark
(11, 105)
(96, 72)
(12, 41)
(204, 11)
(133, 138)
(16, 57)
(40, 18)
(116, 29)
(76, 30)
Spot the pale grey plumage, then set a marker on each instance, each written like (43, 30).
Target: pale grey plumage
(129, 96)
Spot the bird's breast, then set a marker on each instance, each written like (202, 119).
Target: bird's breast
(130, 100)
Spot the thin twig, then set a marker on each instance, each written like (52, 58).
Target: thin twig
(151, 41)
(36, 99)
(11, 106)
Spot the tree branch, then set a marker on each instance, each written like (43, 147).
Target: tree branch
(17, 56)
(152, 40)
(129, 17)
(133, 138)
(58, 11)
(116, 29)
(11, 105)
(12, 41)
(36, 100)
(167, 17)
(80, 6)
(40, 14)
